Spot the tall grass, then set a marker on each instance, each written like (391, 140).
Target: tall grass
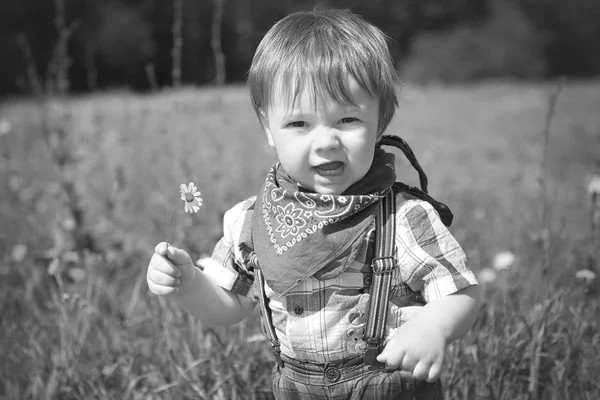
(91, 330)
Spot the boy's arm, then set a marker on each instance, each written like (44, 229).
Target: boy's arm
(418, 345)
(210, 300)
(434, 264)
(454, 315)
(171, 273)
(213, 305)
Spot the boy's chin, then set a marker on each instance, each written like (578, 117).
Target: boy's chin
(331, 190)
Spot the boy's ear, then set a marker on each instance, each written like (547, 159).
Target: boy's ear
(265, 124)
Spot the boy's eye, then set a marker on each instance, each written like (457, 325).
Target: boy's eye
(349, 120)
(297, 124)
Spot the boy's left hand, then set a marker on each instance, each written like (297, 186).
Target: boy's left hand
(418, 347)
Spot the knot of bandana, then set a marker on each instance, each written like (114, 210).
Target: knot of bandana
(297, 234)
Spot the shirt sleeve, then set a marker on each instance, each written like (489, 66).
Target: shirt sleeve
(431, 260)
(226, 266)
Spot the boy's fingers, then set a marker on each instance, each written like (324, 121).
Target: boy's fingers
(407, 364)
(162, 279)
(382, 357)
(163, 265)
(178, 256)
(175, 255)
(392, 362)
(421, 371)
(160, 290)
(434, 372)
(161, 248)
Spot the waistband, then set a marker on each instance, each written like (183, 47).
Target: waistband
(324, 374)
(312, 366)
(330, 372)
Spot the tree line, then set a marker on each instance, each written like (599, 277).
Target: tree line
(144, 44)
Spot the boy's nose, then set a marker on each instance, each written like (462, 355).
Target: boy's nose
(326, 139)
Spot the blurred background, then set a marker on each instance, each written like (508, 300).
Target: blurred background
(108, 106)
(129, 43)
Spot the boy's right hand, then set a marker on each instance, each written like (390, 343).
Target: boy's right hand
(170, 272)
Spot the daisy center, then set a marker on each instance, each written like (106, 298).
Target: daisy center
(189, 197)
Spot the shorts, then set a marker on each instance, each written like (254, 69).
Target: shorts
(349, 380)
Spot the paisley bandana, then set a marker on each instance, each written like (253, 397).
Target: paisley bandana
(296, 234)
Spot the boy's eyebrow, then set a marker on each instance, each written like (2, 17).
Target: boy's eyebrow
(299, 112)
(296, 110)
(353, 107)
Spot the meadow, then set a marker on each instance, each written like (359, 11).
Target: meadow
(82, 210)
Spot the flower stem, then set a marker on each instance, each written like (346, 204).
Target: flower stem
(169, 223)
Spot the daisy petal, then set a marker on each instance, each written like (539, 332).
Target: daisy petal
(183, 188)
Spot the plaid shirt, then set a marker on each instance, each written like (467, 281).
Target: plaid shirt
(324, 320)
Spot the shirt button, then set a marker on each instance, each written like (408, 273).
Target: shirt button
(361, 346)
(298, 310)
(332, 374)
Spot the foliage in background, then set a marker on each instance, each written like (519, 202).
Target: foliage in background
(118, 42)
(570, 32)
(86, 327)
(505, 45)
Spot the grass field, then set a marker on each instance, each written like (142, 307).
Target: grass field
(82, 325)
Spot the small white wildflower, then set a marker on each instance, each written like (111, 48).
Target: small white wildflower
(192, 200)
(192, 197)
(504, 261)
(586, 275)
(486, 275)
(54, 267)
(5, 127)
(19, 252)
(593, 184)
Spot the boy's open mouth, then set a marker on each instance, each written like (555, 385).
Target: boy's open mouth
(335, 168)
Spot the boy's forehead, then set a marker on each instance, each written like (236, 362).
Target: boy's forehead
(299, 94)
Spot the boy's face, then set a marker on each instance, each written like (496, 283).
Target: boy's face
(325, 147)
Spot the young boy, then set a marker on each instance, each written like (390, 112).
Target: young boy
(323, 86)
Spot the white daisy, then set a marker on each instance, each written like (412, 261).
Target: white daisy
(192, 198)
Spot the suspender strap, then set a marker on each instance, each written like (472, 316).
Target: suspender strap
(383, 266)
(267, 320)
(400, 143)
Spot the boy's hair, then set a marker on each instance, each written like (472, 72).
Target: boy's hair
(322, 49)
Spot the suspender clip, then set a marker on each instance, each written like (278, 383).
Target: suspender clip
(383, 265)
(277, 355)
(373, 350)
